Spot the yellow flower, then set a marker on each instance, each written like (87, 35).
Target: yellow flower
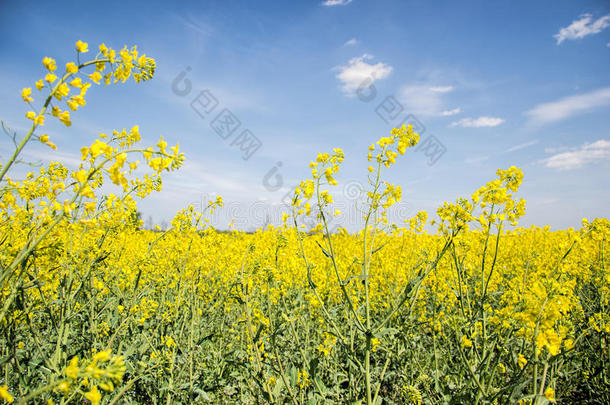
(162, 145)
(97, 148)
(170, 342)
(95, 77)
(82, 46)
(84, 151)
(5, 395)
(411, 395)
(38, 119)
(71, 67)
(45, 139)
(61, 91)
(104, 355)
(109, 386)
(39, 84)
(26, 94)
(522, 361)
(64, 386)
(549, 394)
(72, 104)
(94, 395)
(50, 77)
(466, 342)
(327, 198)
(72, 369)
(65, 118)
(375, 344)
(49, 63)
(76, 82)
(81, 176)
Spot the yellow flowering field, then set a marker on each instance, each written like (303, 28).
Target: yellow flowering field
(462, 306)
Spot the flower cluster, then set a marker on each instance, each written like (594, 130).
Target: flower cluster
(84, 377)
(71, 84)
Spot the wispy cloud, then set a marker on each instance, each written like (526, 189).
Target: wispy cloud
(522, 146)
(358, 70)
(589, 153)
(582, 27)
(441, 89)
(448, 113)
(351, 42)
(196, 176)
(194, 24)
(329, 3)
(568, 106)
(478, 122)
(426, 99)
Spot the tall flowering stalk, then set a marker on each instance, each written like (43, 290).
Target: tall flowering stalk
(32, 209)
(380, 197)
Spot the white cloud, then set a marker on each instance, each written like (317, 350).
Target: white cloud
(351, 42)
(478, 122)
(441, 89)
(568, 106)
(588, 153)
(582, 27)
(354, 74)
(426, 99)
(448, 113)
(329, 3)
(522, 146)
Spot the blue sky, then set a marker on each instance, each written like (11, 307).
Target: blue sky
(494, 84)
